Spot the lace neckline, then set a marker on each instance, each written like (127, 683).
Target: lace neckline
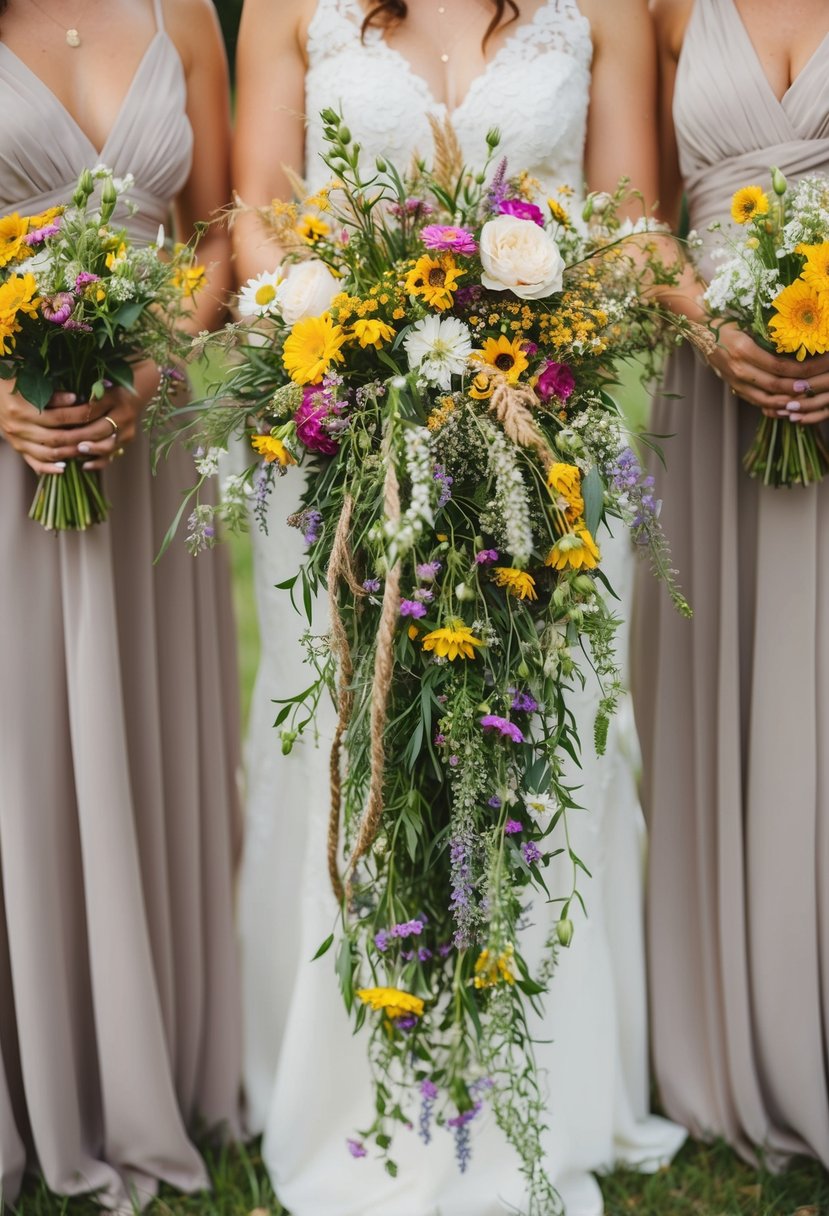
(518, 37)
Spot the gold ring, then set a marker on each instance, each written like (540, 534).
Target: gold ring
(119, 452)
(112, 423)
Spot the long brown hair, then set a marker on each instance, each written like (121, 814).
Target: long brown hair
(387, 11)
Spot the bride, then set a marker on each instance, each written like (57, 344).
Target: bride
(571, 89)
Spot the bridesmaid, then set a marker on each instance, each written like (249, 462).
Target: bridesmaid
(119, 1030)
(733, 707)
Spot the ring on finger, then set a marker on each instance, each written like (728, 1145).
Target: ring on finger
(113, 424)
(119, 451)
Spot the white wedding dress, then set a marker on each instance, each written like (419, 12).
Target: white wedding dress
(306, 1074)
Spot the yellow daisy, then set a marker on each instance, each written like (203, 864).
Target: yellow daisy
(559, 213)
(574, 551)
(490, 970)
(815, 271)
(801, 324)
(369, 331)
(748, 203)
(272, 449)
(565, 482)
(13, 232)
(504, 355)
(434, 279)
(392, 1001)
(454, 640)
(311, 228)
(311, 347)
(516, 582)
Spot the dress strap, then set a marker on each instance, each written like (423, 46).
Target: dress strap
(159, 14)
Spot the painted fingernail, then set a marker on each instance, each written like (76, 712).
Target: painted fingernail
(84, 447)
(793, 406)
(60, 465)
(88, 464)
(783, 414)
(801, 386)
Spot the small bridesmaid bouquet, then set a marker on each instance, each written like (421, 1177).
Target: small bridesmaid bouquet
(776, 287)
(80, 304)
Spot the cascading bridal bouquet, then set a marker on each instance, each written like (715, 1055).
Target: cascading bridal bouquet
(435, 352)
(79, 305)
(776, 287)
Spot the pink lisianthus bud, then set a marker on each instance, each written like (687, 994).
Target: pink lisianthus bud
(522, 210)
(556, 380)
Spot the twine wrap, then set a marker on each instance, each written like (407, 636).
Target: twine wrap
(339, 567)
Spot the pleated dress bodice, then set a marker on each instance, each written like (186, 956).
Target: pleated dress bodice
(151, 139)
(731, 126)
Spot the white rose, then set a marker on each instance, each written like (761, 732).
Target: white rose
(306, 291)
(520, 257)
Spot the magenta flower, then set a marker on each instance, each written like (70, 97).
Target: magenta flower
(84, 279)
(502, 727)
(522, 210)
(310, 419)
(77, 326)
(356, 1148)
(556, 380)
(428, 571)
(486, 557)
(39, 235)
(523, 702)
(512, 827)
(58, 309)
(412, 608)
(443, 237)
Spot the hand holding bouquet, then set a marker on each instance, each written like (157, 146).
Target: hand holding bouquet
(776, 287)
(80, 306)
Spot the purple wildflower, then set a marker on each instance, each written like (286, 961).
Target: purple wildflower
(498, 186)
(427, 572)
(173, 373)
(502, 727)
(381, 940)
(407, 1022)
(512, 827)
(531, 852)
(556, 380)
(428, 1094)
(530, 349)
(309, 522)
(84, 279)
(468, 297)
(411, 208)
(39, 235)
(460, 856)
(445, 481)
(522, 702)
(440, 739)
(371, 584)
(445, 949)
(495, 802)
(424, 954)
(356, 1148)
(486, 557)
(407, 928)
(424, 595)
(79, 327)
(412, 608)
(453, 240)
(460, 1126)
(454, 761)
(521, 210)
(58, 308)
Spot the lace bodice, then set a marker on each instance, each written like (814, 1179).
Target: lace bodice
(536, 89)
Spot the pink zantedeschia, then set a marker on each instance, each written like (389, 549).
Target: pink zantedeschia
(502, 727)
(556, 380)
(310, 419)
(455, 240)
(522, 210)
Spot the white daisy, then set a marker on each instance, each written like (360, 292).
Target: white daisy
(258, 297)
(542, 808)
(439, 349)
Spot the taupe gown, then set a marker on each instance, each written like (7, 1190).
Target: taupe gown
(119, 1031)
(733, 708)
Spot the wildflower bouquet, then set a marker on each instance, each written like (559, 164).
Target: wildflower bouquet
(435, 352)
(79, 304)
(776, 287)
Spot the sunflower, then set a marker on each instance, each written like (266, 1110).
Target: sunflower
(801, 324)
(565, 482)
(516, 582)
(574, 551)
(559, 213)
(311, 347)
(272, 449)
(747, 203)
(452, 641)
(815, 271)
(370, 331)
(311, 228)
(481, 387)
(13, 232)
(393, 1001)
(434, 279)
(17, 295)
(505, 356)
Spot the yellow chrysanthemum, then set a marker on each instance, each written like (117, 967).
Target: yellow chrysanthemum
(369, 331)
(815, 270)
(504, 355)
(441, 413)
(452, 641)
(394, 1002)
(747, 203)
(311, 347)
(490, 970)
(17, 295)
(272, 449)
(311, 228)
(516, 582)
(44, 218)
(575, 550)
(434, 279)
(559, 213)
(13, 232)
(801, 324)
(565, 482)
(189, 279)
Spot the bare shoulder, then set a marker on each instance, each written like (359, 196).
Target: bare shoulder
(616, 24)
(194, 27)
(670, 17)
(276, 22)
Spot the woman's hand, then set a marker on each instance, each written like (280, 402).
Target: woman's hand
(68, 430)
(780, 387)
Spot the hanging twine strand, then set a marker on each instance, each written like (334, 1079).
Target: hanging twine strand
(339, 569)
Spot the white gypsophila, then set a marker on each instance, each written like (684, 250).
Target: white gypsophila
(207, 461)
(120, 289)
(438, 348)
(401, 534)
(738, 285)
(519, 256)
(258, 297)
(809, 223)
(511, 497)
(236, 489)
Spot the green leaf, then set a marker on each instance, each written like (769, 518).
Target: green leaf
(127, 315)
(324, 948)
(391, 1168)
(592, 490)
(34, 385)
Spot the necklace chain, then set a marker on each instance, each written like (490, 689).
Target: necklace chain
(71, 34)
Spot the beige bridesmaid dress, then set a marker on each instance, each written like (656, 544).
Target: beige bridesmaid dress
(119, 1028)
(733, 708)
